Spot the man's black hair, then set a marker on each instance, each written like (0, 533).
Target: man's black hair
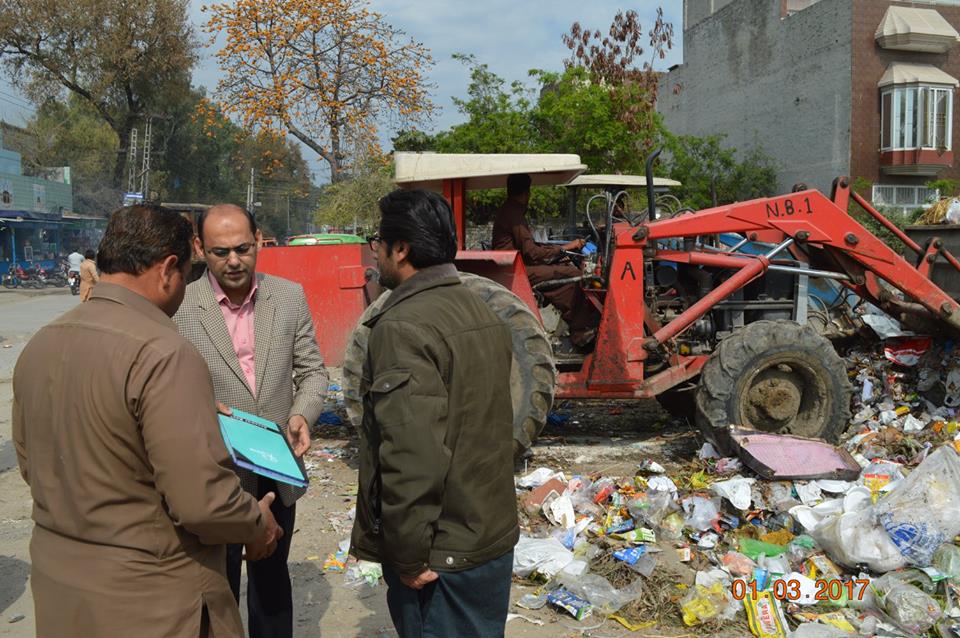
(137, 237)
(518, 184)
(89, 254)
(424, 220)
(203, 217)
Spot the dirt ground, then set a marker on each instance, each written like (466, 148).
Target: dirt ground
(607, 438)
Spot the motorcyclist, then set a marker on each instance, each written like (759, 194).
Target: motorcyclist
(74, 260)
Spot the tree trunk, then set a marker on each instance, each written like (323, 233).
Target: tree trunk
(120, 163)
(336, 166)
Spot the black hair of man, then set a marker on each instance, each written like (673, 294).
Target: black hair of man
(89, 254)
(203, 217)
(424, 220)
(137, 237)
(518, 184)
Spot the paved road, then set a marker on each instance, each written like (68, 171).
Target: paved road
(22, 314)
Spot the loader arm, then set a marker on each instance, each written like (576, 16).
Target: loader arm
(809, 219)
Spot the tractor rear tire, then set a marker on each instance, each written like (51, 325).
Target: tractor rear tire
(774, 376)
(533, 374)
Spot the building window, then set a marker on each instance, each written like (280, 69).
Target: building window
(916, 117)
(906, 198)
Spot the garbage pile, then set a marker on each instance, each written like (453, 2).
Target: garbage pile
(785, 537)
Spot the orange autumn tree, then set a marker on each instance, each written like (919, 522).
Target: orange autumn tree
(324, 71)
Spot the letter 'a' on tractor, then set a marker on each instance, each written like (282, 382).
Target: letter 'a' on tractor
(724, 315)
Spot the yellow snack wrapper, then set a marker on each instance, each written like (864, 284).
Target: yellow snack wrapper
(764, 616)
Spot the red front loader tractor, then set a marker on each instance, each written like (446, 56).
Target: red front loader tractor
(714, 312)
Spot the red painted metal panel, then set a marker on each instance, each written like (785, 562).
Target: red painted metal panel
(455, 190)
(502, 266)
(333, 279)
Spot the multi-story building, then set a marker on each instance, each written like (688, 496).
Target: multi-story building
(863, 88)
(31, 211)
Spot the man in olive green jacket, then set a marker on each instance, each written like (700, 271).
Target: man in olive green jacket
(436, 503)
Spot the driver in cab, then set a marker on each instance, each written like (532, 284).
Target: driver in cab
(545, 262)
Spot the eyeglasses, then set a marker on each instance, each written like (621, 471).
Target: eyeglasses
(223, 253)
(374, 242)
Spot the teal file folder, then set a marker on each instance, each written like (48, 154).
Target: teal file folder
(260, 446)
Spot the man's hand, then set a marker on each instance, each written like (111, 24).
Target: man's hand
(223, 409)
(298, 434)
(267, 543)
(420, 581)
(576, 244)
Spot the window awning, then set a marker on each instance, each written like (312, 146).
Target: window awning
(912, 29)
(905, 73)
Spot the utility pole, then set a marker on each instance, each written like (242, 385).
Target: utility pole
(250, 192)
(145, 169)
(132, 163)
(288, 214)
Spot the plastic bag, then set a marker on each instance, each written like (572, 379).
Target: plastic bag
(953, 211)
(855, 538)
(735, 490)
(363, 573)
(544, 555)
(671, 527)
(911, 609)
(818, 630)
(754, 549)
(700, 512)
(738, 564)
(947, 560)
(702, 604)
(651, 507)
(598, 591)
(923, 511)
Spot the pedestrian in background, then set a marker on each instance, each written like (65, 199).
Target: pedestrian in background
(256, 334)
(88, 274)
(436, 502)
(116, 433)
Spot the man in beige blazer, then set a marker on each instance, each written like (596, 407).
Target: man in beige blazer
(256, 334)
(116, 434)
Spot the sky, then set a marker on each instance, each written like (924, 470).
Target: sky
(510, 36)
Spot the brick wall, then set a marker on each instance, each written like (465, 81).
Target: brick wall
(868, 65)
(782, 84)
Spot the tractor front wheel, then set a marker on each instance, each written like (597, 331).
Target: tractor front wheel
(533, 374)
(774, 376)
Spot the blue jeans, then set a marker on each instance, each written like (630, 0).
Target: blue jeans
(468, 604)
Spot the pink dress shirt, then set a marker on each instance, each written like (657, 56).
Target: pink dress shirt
(239, 320)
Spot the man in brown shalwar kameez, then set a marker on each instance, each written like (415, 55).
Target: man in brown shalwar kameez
(544, 262)
(116, 433)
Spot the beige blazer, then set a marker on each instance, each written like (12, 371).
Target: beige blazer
(290, 375)
(133, 497)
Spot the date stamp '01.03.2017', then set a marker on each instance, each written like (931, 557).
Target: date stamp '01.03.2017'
(792, 590)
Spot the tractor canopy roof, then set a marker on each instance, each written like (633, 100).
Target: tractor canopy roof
(480, 171)
(620, 181)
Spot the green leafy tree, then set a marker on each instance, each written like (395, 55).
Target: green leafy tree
(413, 140)
(578, 115)
(498, 117)
(353, 202)
(117, 56)
(707, 171)
(72, 134)
(614, 61)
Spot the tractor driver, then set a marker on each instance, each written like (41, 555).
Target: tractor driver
(545, 263)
